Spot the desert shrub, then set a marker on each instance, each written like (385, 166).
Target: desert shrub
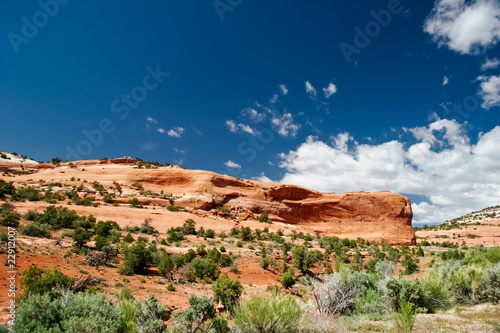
(303, 259)
(6, 189)
(227, 291)
(136, 258)
(11, 220)
(37, 281)
(410, 265)
(405, 316)
(166, 265)
(199, 317)
(175, 235)
(424, 243)
(201, 250)
(26, 193)
(88, 201)
(287, 279)
(189, 227)
(261, 314)
(104, 228)
(81, 236)
(268, 261)
(170, 287)
(490, 289)
(108, 198)
(384, 269)
(74, 313)
(100, 242)
(239, 244)
(172, 208)
(35, 230)
(210, 233)
(134, 203)
(334, 296)
(466, 283)
(225, 260)
(200, 268)
(31, 215)
(149, 316)
(128, 238)
(59, 217)
(246, 234)
(264, 217)
(452, 254)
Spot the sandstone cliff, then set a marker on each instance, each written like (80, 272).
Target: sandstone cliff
(380, 216)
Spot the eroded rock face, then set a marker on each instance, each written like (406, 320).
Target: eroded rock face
(380, 216)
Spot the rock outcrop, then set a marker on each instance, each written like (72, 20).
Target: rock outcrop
(379, 216)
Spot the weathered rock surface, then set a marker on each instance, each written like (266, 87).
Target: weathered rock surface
(379, 216)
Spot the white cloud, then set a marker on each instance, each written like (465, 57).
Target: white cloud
(490, 91)
(235, 128)
(285, 125)
(232, 164)
(490, 64)
(263, 178)
(467, 28)
(161, 130)
(232, 126)
(311, 90)
(441, 164)
(445, 80)
(254, 114)
(273, 99)
(176, 132)
(284, 89)
(179, 151)
(330, 90)
(151, 120)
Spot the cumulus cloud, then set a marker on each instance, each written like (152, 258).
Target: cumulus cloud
(176, 132)
(151, 120)
(232, 164)
(445, 80)
(263, 178)
(285, 124)
(490, 64)
(235, 128)
(441, 163)
(330, 90)
(273, 99)
(161, 130)
(465, 27)
(284, 89)
(254, 114)
(311, 90)
(490, 91)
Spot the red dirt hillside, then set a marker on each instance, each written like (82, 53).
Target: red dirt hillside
(379, 216)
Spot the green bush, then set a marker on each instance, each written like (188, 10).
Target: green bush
(227, 291)
(35, 230)
(200, 268)
(199, 317)
(210, 233)
(6, 189)
(81, 237)
(71, 313)
(189, 227)
(59, 217)
(135, 203)
(11, 220)
(136, 258)
(37, 281)
(108, 198)
(405, 316)
(166, 265)
(287, 279)
(26, 193)
(268, 261)
(262, 314)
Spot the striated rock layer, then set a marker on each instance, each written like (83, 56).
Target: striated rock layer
(379, 216)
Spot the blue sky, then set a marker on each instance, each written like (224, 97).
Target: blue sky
(261, 89)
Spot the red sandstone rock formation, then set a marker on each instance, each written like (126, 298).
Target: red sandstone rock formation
(380, 216)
